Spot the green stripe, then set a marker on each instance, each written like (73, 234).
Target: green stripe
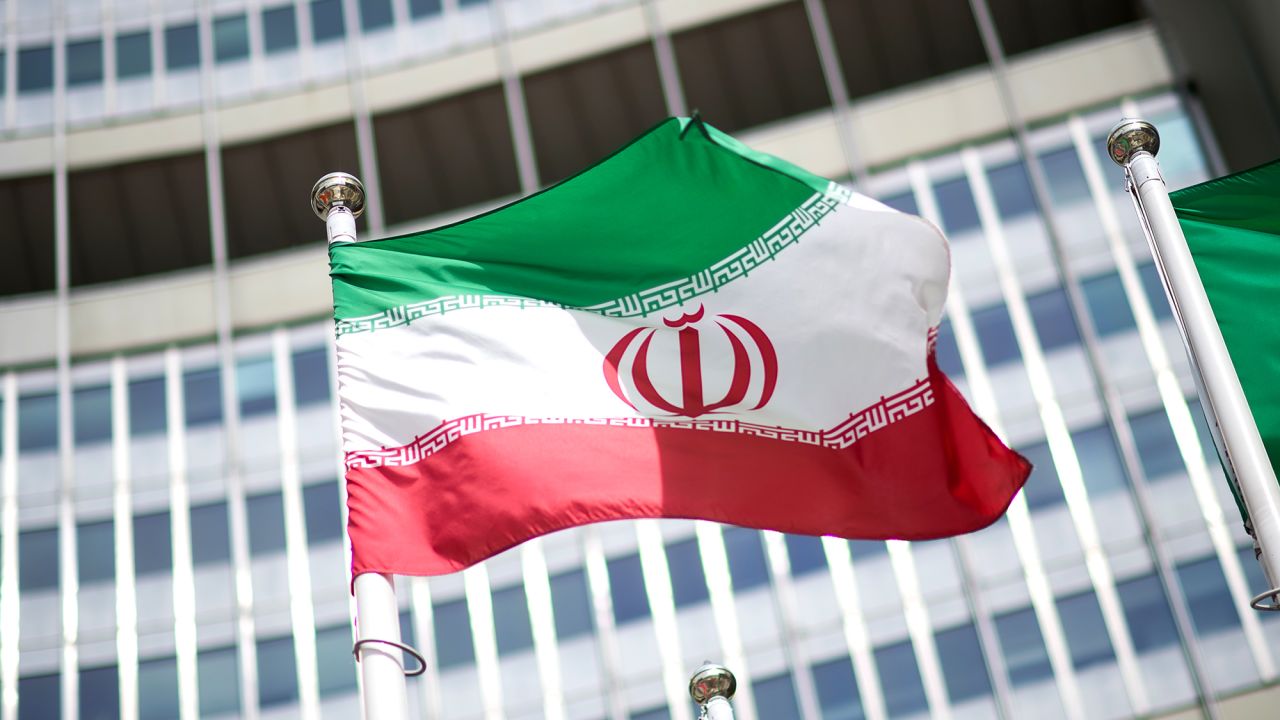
(672, 203)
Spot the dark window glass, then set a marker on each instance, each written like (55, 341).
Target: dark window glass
(1025, 25)
(91, 414)
(946, 352)
(231, 38)
(747, 566)
(210, 534)
(28, 265)
(152, 544)
(837, 690)
(867, 549)
(407, 632)
(1108, 305)
(133, 54)
(511, 620)
(900, 677)
(626, 587)
(1146, 609)
(1208, 599)
(219, 681)
(266, 523)
(1042, 489)
(39, 697)
(256, 383)
(688, 583)
(1203, 433)
(776, 697)
(181, 47)
(1023, 646)
(96, 551)
(1085, 629)
(279, 29)
(84, 62)
(375, 14)
(995, 334)
(1099, 460)
(1154, 289)
(1051, 315)
(1065, 175)
(311, 377)
(326, 20)
(158, 689)
(99, 693)
(35, 69)
(37, 422)
(322, 504)
(903, 202)
(1157, 447)
(202, 397)
(955, 204)
(277, 672)
(333, 655)
(453, 633)
(1012, 190)
(571, 604)
(660, 713)
(38, 559)
(469, 3)
(805, 554)
(963, 665)
(147, 407)
(424, 8)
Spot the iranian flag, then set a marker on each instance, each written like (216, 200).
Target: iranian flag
(687, 329)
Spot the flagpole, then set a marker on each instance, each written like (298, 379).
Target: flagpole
(338, 199)
(711, 687)
(1133, 145)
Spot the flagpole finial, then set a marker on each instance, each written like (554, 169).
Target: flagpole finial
(711, 681)
(337, 189)
(1129, 137)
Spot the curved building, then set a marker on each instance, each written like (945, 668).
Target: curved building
(171, 540)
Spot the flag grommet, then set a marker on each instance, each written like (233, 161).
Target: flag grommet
(422, 662)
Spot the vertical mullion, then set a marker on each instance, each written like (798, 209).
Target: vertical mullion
(668, 73)
(517, 111)
(424, 615)
(10, 625)
(784, 597)
(837, 91)
(854, 624)
(597, 570)
(537, 586)
(657, 583)
(919, 628)
(475, 581)
(122, 515)
(184, 591)
(715, 565)
(366, 150)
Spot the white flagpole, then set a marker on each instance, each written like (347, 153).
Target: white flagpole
(711, 687)
(338, 199)
(1133, 144)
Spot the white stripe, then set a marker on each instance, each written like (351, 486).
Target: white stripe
(126, 590)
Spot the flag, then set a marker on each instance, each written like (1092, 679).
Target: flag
(687, 329)
(1232, 226)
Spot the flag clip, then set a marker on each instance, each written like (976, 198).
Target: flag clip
(422, 663)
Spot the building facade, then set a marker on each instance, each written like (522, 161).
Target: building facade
(171, 540)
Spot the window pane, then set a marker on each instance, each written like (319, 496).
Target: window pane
(1152, 286)
(219, 680)
(1012, 190)
(311, 377)
(133, 54)
(867, 549)
(96, 551)
(255, 381)
(158, 689)
(903, 202)
(776, 697)
(152, 546)
(37, 422)
(147, 407)
(210, 534)
(660, 713)
(995, 334)
(1108, 305)
(1053, 321)
(837, 690)
(39, 697)
(1208, 599)
(955, 204)
(333, 654)
(1099, 460)
(688, 583)
(747, 566)
(91, 414)
(323, 506)
(626, 587)
(1042, 489)
(946, 352)
(1146, 609)
(963, 665)
(423, 8)
(375, 14)
(1065, 175)
(266, 523)
(1023, 647)
(805, 554)
(35, 69)
(900, 677)
(326, 20)
(181, 47)
(202, 397)
(99, 693)
(1157, 447)
(453, 633)
(277, 672)
(279, 29)
(1085, 630)
(231, 38)
(571, 604)
(84, 62)
(511, 620)
(38, 559)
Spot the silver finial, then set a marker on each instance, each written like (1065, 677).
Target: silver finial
(337, 189)
(710, 681)
(1129, 137)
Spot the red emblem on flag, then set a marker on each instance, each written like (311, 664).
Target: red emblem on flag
(740, 333)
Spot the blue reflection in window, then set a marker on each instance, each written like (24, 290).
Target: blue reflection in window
(1108, 306)
(231, 38)
(1157, 447)
(40, 697)
(1012, 190)
(900, 677)
(1065, 176)
(326, 20)
(407, 632)
(152, 544)
(946, 352)
(322, 504)
(256, 384)
(202, 397)
(1203, 433)
(955, 204)
(1085, 629)
(867, 549)
(1208, 599)
(210, 534)
(1182, 164)
(837, 690)
(1051, 315)
(571, 604)
(311, 377)
(1023, 647)
(805, 554)
(747, 566)
(659, 713)
(995, 334)
(333, 657)
(279, 29)
(1043, 488)
(626, 587)
(277, 672)
(1146, 610)
(147, 407)
(468, 3)
(133, 54)
(99, 693)
(219, 683)
(423, 8)
(375, 14)
(91, 414)
(453, 633)
(688, 582)
(1154, 289)
(35, 69)
(38, 559)
(37, 422)
(1099, 460)
(84, 62)
(1253, 576)
(158, 689)
(511, 620)
(903, 202)
(963, 665)
(266, 522)
(776, 697)
(181, 47)
(96, 551)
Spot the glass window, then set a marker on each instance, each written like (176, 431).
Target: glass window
(323, 506)
(995, 334)
(1085, 629)
(900, 677)
(1023, 646)
(1253, 577)
(37, 422)
(837, 690)
(96, 551)
(1203, 433)
(39, 697)
(326, 20)
(1042, 489)
(453, 633)
(1208, 599)
(277, 672)
(99, 693)
(279, 29)
(147, 407)
(231, 38)
(776, 697)
(955, 204)
(1154, 289)
(963, 665)
(1051, 314)
(903, 202)
(1099, 460)
(1012, 190)
(867, 549)
(375, 14)
(747, 566)
(219, 682)
(688, 583)
(659, 713)
(626, 587)
(133, 54)
(266, 522)
(946, 352)
(424, 8)
(1157, 447)
(256, 383)
(311, 377)
(407, 632)
(1065, 175)
(1108, 306)
(468, 3)
(805, 554)
(91, 414)
(210, 534)
(202, 397)
(84, 62)
(158, 689)
(1146, 609)
(181, 47)
(35, 69)
(38, 559)
(571, 604)
(511, 620)
(152, 544)
(333, 654)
